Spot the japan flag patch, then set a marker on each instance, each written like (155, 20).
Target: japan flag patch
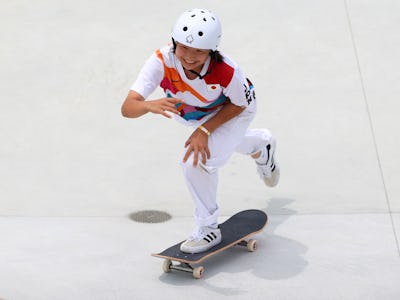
(213, 87)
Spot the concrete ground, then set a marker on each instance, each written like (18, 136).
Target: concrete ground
(327, 76)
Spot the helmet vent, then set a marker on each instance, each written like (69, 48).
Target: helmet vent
(200, 33)
(185, 28)
(204, 19)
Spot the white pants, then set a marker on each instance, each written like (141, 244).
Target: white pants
(202, 181)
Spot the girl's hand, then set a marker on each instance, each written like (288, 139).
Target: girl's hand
(163, 105)
(197, 144)
(135, 106)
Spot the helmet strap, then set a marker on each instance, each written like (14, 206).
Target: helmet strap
(174, 45)
(209, 71)
(198, 74)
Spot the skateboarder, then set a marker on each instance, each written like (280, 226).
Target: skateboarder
(206, 90)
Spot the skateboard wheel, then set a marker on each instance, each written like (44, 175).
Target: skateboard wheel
(167, 266)
(252, 245)
(198, 272)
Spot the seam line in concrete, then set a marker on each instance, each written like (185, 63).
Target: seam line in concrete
(370, 122)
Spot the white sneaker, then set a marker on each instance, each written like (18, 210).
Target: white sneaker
(269, 170)
(201, 240)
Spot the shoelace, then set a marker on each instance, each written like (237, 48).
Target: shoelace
(199, 234)
(265, 170)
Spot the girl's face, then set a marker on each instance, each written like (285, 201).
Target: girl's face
(191, 58)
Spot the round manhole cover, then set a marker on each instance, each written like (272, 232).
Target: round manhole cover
(150, 216)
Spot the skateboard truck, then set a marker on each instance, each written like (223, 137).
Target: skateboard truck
(198, 272)
(251, 245)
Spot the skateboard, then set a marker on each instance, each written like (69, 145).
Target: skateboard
(235, 231)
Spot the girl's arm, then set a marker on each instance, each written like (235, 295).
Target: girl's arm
(198, 141)
(135, 106)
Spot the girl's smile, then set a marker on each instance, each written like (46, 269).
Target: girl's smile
(191, 58)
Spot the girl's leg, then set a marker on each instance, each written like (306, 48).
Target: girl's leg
(202, 181)
(261, 145)
(254, 141)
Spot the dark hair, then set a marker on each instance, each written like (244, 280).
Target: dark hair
(214, 54)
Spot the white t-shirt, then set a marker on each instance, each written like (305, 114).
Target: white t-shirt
(202, 97)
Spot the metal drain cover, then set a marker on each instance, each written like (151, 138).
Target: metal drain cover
(150, 216)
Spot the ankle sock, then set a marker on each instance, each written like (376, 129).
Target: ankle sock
(263, 158)
(213, 226)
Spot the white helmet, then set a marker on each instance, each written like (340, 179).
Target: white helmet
(198, 28)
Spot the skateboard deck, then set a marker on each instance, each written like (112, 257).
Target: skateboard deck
(235, 231)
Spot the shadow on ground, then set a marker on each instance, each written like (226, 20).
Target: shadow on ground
(276, 258)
